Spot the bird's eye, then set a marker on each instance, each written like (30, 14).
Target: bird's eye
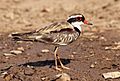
(79, 18)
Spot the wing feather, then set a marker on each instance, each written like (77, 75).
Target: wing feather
(57, 26)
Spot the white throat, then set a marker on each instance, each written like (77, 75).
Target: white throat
(77, 24)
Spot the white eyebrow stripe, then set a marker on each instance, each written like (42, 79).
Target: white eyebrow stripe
(74, 16)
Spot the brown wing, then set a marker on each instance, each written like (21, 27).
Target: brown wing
(63, 37)
(57, 26)
(57, 33)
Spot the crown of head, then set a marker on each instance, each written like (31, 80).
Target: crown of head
(76, 18)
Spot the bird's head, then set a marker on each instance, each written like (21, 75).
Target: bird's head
(77, 19)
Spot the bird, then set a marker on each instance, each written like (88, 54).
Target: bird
(58, 34)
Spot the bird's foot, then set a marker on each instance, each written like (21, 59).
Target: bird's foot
(56, 68)
(64, 67)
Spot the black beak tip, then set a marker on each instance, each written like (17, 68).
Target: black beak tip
(90, 24)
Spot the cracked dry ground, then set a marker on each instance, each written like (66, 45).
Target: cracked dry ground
(91, 55)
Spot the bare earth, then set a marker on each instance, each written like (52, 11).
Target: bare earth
(97, 51)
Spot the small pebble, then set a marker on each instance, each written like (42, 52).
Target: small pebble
(30, 66)
(95, 62)
(108, 59)
(29, 72)
(19, 42)
(20, 49)
(103, 38)
(16, 52)
(74, 52)
(45, 51)
(107, 48)
(62, 77)
(111, 75)
(92, 66)
(44, 78)
(8, 54)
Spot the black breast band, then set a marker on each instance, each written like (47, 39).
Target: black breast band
(76, 29)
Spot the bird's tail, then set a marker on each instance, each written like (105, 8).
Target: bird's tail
(22, 36)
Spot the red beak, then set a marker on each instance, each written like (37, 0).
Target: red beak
(88, 23)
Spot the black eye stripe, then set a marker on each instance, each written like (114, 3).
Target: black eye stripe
(71, 20)
(76, 19)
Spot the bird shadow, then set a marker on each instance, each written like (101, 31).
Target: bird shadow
(49, 63)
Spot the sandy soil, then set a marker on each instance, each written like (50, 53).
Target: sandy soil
(97, 51)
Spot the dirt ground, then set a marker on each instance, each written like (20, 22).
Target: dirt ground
(97, 51)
